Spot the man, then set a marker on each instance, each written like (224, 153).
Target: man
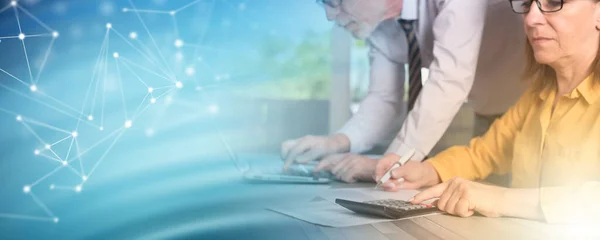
(473, 49)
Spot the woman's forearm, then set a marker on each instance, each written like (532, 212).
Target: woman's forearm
(522, 203)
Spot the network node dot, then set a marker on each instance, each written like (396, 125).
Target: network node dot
(27, 189)
(116, 55)
(84, 178)
(149, 132)
(172, 13)
(101, 128)
(13, 3)
(198, 88)
(90, 117)
(133, 35)
(36, 152)
(128, 124)
(75, 134)
(78, 188)
(190, 71)
(55, 220)
(19, 118)
(47, 146)
(52, 186)
(21, 36)
(150, 90)
(65, 163)
(178, 84)
(153, 100)
(33, 88)
(178, 43)
(55, 34)
(108, 25)
(213, 109)
(125, 9)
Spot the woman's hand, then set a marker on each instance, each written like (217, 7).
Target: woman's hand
(463, 198)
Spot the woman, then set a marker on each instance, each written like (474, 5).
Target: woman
(550, 139)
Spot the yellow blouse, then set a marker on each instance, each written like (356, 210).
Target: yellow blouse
(557, 152)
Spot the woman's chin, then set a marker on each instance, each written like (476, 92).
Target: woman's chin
(543, 58)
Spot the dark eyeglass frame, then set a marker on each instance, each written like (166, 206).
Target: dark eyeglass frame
(539, 5)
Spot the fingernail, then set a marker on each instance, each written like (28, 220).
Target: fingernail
(412, 199)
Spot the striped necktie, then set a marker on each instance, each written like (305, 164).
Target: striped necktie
(414, 62)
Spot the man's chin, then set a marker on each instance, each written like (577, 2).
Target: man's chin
(361, 34)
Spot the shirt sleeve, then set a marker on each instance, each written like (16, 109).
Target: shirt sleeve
(382, 105)
(491, 153)
(457, 32)
(571, 204)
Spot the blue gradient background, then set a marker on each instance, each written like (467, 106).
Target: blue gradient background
(178, 181)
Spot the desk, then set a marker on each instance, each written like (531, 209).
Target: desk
(452, 227)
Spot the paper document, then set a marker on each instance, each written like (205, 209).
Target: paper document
(323, 210)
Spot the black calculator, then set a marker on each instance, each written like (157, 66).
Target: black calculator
(388, 208)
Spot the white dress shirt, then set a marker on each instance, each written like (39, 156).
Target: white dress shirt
(474, 50)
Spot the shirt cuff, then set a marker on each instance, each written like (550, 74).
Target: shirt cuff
(356, 144)
(402, 149)
(442, 171)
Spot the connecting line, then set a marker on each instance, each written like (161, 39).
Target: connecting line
(140, 105)
(94, 146)
(59, 102)
(35, 18)
(205, 29)
(46, 176)
(74, 171)
(121, 87)
(39, 35)
(5, 8)
(24, 48)
(9, 37)
(105, 153)
(59, 141)
(174, 18)
(134, 74)
(41, 204)
(50, 158)
(25, 217)
(146, 11)
(80, 159)
(70, 147)
(147, 70)
(99, 68)
(153, 41)
(187, 6)
(148, 105)
(16, 78)
(42, 103)
(141, 53)
(34, 134)
(37, 123)
(89, 88)
(105, 74)
(37, 79)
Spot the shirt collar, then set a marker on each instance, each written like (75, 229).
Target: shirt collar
(587, 89)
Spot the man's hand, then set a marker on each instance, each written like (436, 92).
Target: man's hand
(463, 198)
(349, 167)
(411, 175)
(311, 148)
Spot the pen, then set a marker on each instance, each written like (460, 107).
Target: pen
(399, 163)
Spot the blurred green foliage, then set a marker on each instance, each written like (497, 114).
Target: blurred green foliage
(294, 70)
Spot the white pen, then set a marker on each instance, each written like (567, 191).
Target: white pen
(388, 173)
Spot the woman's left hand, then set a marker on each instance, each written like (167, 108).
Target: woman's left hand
(463, 198)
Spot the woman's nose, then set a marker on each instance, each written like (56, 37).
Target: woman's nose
(534, 16)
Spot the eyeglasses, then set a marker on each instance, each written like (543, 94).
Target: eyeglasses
(545, 6)
(330, 3)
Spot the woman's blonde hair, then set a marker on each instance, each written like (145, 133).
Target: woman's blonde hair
(542, 75)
